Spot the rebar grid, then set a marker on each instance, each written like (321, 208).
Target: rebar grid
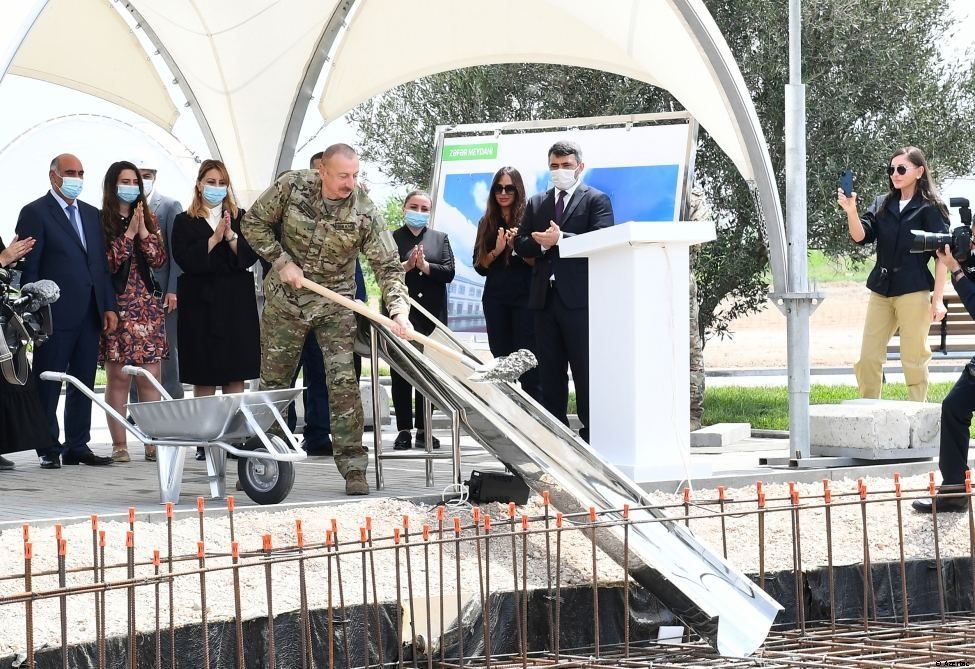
(869, 641)
(920, 645)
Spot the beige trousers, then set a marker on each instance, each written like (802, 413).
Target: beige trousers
(911, 314)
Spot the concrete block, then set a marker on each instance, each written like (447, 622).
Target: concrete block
(721, 434)
(875, 429)
(365, 390)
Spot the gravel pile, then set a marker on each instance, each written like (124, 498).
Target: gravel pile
(954, 538)
(249, 529)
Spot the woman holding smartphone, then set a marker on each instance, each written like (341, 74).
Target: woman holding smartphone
(218, 330)
(900, 283)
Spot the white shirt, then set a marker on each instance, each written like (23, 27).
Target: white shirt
(213, 217)
(65, 205)
(904, 203)
(565, 205)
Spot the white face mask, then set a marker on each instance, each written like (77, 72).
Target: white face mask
(563, 179)
(147, 185)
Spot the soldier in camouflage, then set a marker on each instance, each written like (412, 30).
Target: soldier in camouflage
(324, 220)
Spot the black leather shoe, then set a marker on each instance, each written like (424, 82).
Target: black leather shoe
(88, 458)
(50, 462)
(200, 454)
(945, 504)
(422, 443)
(5, 464)
(402, 442)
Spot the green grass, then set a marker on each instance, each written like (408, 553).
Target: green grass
(830, 270)
(768, 408)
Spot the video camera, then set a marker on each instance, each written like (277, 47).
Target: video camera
(959, 239)
(25, 318)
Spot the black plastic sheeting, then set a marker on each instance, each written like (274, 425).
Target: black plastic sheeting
(507, 613)
(885, 600)
(222, 642)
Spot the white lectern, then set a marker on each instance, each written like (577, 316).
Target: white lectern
(639, 351)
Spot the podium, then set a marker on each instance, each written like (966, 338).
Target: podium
(639, 350)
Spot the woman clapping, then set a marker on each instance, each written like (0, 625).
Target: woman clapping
(135, 248)
(218, 331)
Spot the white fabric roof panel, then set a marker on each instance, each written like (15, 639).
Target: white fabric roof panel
(244, 61)
(642, 39)
(109, 64)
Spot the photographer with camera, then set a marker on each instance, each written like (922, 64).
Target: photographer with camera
(900, 283)
(22, 422)
(957, 408)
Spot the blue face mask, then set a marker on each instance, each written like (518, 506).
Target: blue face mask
(71, 187)
(214, 195)
(128, 193)
(416, 219)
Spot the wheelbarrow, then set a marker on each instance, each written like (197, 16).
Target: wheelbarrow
(216, 423)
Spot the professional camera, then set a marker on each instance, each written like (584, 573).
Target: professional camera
(25, 318)
(959, 239)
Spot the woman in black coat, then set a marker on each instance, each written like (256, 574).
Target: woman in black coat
(510, 324)
(22, 422)
(218, 328)
(428, 264)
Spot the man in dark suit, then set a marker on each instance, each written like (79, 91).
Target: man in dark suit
(69, 250)
(560, 287)
(165, 210)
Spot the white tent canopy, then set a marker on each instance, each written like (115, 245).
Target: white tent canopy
(248, 67)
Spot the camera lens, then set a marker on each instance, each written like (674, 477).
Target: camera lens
(928, 242)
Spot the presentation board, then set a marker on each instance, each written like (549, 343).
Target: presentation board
(641, 168)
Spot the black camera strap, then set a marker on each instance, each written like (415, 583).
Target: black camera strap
(14, 366)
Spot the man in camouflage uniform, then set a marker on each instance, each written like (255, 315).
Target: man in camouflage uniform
(324, 220)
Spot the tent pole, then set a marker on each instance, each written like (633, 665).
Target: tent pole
(799, 303)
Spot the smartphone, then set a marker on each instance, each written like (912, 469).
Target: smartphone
(846, 182)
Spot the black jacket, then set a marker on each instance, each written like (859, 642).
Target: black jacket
(898, 271)
(429, 290)
(587, 210)
(507, 279)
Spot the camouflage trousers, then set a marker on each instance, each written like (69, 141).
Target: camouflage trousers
(283, 333)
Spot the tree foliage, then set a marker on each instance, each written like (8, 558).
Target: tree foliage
(876, 78)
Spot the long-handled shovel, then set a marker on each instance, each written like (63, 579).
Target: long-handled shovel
(504, 368)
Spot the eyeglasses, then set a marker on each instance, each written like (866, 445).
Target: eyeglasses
(900, 169)
(509, 189)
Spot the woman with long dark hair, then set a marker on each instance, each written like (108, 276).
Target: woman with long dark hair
(900, 283)
(135, 248)
(218, 330)
(510, 324)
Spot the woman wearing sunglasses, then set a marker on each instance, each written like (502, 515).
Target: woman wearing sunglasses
(510, 324)
(901, 283)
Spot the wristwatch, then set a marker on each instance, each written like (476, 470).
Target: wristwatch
(233, 239)
(957, 274)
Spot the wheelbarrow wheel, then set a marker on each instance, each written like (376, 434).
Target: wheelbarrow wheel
(264, 480)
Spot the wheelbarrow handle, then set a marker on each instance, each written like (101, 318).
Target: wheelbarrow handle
(132, 370)
(59, 377)
(376, 317)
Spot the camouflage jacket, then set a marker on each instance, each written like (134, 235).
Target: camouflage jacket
(323, 241)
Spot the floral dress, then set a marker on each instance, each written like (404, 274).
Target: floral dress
(140, 337)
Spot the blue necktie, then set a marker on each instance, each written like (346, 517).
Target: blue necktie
(76, 224)
(559, 208)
